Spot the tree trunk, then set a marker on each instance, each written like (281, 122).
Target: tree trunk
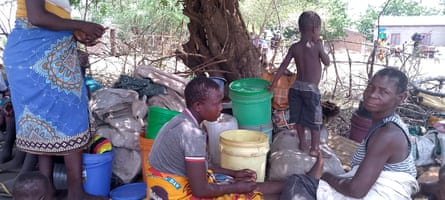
(219, 42)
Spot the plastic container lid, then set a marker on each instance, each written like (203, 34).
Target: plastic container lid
(132, 191)
(249, 86)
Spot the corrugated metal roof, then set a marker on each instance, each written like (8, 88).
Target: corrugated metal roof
(412, 21)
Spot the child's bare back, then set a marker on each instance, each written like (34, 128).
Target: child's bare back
(307, 56)
(304, 95)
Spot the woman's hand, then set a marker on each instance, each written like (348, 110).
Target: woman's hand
(89, 33)
(247, 175)
(83, 38)
(92, 30)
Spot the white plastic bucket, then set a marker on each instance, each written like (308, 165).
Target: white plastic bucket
(244, 149)
(214, 129)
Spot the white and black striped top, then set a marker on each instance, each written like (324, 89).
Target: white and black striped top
(406, 165)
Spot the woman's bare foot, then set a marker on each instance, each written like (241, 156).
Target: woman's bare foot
(317, 169)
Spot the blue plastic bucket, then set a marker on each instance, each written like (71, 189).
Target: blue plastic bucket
(132, 191)
(221, 82)
(97, 173)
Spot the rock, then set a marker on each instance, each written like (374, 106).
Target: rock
(286, 159)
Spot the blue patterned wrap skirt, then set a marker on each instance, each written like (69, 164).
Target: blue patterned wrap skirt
(48, 93)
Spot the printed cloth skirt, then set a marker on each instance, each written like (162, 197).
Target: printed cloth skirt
(165, 186)
(48, 93)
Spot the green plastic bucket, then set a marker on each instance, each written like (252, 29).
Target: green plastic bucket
(157, 117)
(251, 101)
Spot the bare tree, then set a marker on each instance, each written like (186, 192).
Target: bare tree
(219, 42)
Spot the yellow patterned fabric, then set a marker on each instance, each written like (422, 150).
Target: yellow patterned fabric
(165, 186)
(52, 8)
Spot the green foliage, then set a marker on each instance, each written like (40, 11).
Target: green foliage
(283, 15)
(74, 2)
(367, 21)
(408, 8)
(137, 16)
(290, 32)
(338, 19)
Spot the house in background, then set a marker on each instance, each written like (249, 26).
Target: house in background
(353, 41)
(399, 29)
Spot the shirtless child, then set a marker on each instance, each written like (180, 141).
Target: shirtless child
(304, 95)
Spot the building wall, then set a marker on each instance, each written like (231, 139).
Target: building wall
(436, 32)
(353, 41)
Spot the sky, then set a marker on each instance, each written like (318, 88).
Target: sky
(358, 7)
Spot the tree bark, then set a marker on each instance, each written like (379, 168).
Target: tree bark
(219, 42)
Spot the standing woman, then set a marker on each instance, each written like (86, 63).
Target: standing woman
(47, 90)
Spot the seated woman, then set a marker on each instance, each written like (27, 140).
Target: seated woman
(178, 165)
(382, 167)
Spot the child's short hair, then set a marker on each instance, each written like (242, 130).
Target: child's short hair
(198, 89)
(309, 20)
(30, 186)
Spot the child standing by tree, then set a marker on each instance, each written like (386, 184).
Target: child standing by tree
(304, 95)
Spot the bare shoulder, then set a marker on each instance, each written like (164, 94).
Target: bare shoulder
(389, 130)
(389, 134)
(293, 50)
(295, 46)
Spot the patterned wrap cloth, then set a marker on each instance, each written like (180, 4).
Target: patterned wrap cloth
(165, 186)
(47, 89)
